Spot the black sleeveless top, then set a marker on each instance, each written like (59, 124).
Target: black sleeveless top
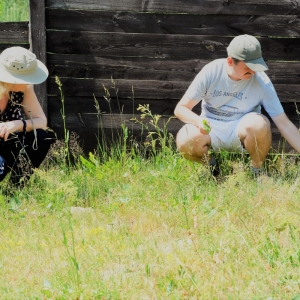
(13, 110)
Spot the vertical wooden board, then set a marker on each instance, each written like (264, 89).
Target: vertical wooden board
(37, 40)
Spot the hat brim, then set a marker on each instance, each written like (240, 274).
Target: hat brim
(38, 76)
(257, 65)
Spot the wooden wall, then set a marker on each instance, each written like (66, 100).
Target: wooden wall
(156, 48)
(152, 50)
(14, 34)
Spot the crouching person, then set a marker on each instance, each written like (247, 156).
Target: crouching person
(232, 91)
(24, 139)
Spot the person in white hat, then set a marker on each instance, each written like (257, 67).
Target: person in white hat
(24, 140)
(232, 91)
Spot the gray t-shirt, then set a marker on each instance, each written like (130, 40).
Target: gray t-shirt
(227, 100)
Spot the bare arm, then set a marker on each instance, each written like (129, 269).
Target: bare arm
(33, 111)
(288, 130)
(35, 115)
(183, 111)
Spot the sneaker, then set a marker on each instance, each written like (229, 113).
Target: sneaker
(259, 172)
(214, 167)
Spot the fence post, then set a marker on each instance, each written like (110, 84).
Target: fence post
(37, 41)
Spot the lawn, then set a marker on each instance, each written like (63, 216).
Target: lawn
(137, 223)
(124, 226)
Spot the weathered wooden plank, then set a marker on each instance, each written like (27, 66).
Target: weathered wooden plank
(78, 105)
(86, 105)
(90, 140)
(116, 121)
(124, 88)
(160, 45)
(87, 66)
(37, 40)
(203, 7)
(4, 46)
(14, 32)
(96, 126)
(288, 93)
(128, 22)
(110, 126)
(151, 89)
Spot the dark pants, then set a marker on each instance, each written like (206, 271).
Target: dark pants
(22, 155)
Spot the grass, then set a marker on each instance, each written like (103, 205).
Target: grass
(127, 226)
(14, 10)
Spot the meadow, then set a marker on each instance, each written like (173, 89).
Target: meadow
(122, 225)
(137, 223)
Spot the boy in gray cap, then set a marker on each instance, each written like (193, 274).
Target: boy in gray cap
(232, 91)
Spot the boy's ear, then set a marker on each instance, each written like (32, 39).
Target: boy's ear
(230, 61)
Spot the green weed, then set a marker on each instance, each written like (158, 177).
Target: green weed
(144, 223)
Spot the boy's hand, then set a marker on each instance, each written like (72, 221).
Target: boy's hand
(205, 127)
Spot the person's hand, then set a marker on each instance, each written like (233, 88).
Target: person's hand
(204, 126)
(6, 128)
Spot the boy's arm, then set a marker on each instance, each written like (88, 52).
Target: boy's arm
(183, 111)
(288, 130)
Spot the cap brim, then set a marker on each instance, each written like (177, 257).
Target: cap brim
(257, 65)
(38, 76)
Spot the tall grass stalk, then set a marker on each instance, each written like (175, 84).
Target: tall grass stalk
(63, 115)
(69, 243)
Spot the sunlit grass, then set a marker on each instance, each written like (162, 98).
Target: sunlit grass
(143, 223)
(158, 228)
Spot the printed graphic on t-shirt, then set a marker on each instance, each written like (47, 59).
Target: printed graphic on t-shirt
(237, 95)
(225, 111)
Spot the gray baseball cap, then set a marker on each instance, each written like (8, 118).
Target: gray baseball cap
(247, 48)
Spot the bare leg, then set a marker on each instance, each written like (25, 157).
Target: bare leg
(255, 134)
(193, 144)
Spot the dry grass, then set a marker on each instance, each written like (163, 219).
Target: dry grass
(143, 229)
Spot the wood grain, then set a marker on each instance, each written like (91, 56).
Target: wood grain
(135, 68)
(161, 46)
(161, 23)
(37, 39)
(141, 89)
(14, 32)
(233, 7)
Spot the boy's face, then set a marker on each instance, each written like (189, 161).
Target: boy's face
(238, 71)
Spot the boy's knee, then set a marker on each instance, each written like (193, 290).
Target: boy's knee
(191, 143)
(258, 125)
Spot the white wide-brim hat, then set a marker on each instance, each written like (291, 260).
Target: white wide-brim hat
(20, 66)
